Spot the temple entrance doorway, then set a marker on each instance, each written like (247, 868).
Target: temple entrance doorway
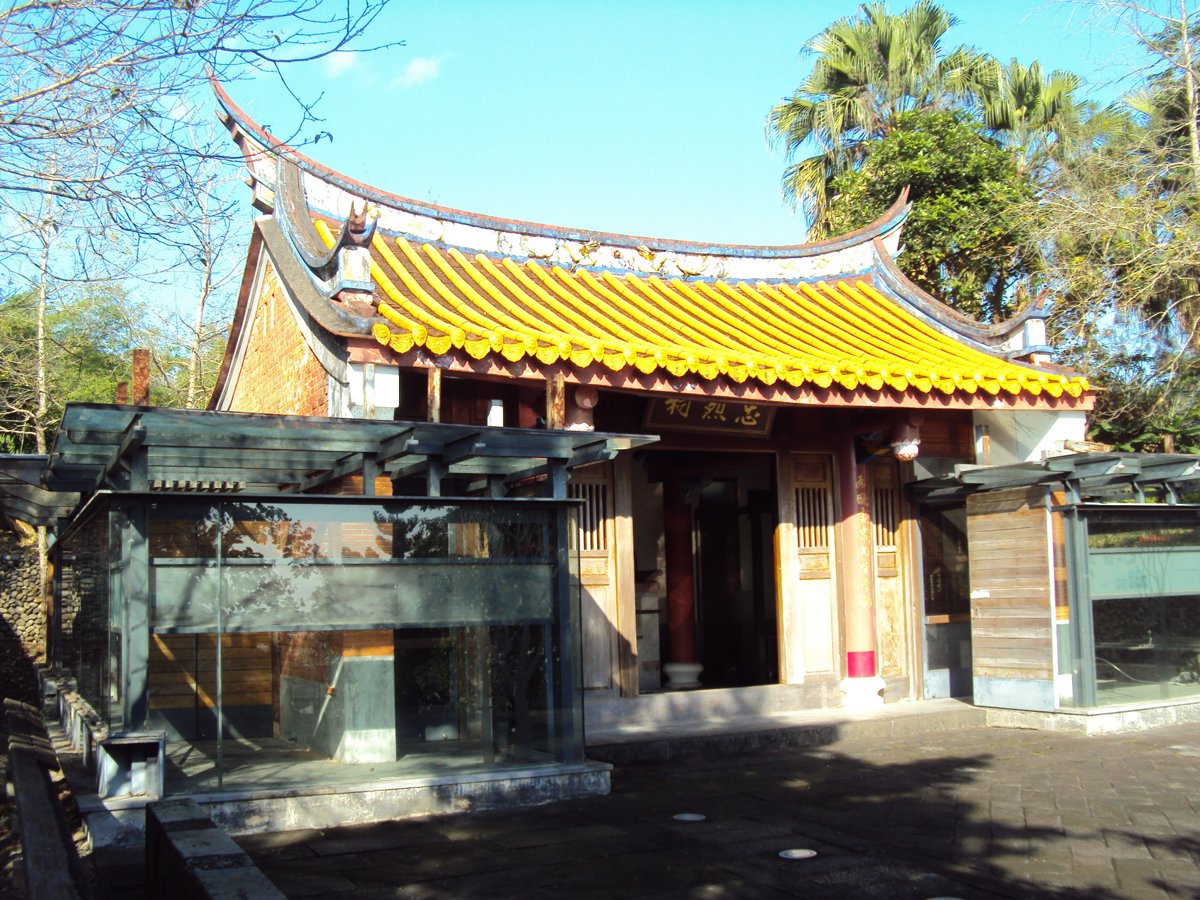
(725, 505)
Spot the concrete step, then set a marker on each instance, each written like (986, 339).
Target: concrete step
(683, 739)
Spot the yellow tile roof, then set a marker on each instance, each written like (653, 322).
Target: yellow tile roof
(844, 333)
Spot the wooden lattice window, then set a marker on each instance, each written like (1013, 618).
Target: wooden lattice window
(592, 531)
(813, 517)
(885, 511)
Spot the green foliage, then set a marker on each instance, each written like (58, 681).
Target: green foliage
(961, 241)
(1149, 415)
(1036, 116)
(877, 81)
(89, 344)
(1118, 233)
(869, 69)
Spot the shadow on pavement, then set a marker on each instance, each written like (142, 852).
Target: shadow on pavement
(934, 824)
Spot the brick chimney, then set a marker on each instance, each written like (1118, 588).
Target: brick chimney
(141, 377)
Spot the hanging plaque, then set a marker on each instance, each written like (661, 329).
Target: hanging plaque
(707, 414)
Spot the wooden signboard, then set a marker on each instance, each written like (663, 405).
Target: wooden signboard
(709, 415)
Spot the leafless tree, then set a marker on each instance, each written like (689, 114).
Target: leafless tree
(91, 90)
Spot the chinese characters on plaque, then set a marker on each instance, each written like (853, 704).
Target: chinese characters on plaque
(707, 414)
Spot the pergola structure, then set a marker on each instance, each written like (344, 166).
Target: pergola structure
(136, 448)
(394, 597)
(1099, 476)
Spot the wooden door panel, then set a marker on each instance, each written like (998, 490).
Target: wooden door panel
(597, 570)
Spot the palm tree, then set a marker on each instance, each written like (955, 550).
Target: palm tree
(1037, 116)
(869, 69)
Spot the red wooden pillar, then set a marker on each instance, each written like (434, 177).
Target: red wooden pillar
(862, 683)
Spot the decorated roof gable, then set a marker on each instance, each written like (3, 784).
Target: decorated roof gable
(829, 315)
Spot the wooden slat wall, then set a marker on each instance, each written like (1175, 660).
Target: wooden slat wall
(1011, 590)
(183, 670)
(813, 584)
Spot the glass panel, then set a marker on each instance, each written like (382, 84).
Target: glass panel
(946, 578)
(395, 638)
(1144, 580)
(118, 556)
(85, 611)
(184, 548)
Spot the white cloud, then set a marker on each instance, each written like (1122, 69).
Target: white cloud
(423, 68)
(339, 63)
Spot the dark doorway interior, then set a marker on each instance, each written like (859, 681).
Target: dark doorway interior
(734, 519)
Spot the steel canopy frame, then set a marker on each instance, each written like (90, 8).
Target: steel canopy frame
(130, 448)
(1082, 475)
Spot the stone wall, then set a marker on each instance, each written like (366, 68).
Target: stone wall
(22, 623)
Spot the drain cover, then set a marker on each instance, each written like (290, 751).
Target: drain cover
(798, 853)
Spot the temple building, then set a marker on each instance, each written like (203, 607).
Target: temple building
(762, 551)
(474, 496)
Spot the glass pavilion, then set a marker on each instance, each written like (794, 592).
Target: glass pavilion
(1084, 578)
(296, 601)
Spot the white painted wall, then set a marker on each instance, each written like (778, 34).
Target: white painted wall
(1027, 435)
(374, 391)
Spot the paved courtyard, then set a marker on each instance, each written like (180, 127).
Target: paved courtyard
(976, 812)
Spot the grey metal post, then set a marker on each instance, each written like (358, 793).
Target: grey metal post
(220, 601)
(370, 472)
(568, 696)
(54, 626)
(135, 655)
(1079, 599)
(435, 471)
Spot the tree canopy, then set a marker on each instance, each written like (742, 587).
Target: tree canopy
(1021, 187)
(962, 241)
(868, 70)
(113, 175)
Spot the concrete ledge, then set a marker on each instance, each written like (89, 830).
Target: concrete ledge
(190, 858)
(813, 728)
(249, 813)
(120, 821)
(1098, 721)
(50, 863)
(605, 713)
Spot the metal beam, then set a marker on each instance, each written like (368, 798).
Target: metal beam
(465, 447)
(349, 465)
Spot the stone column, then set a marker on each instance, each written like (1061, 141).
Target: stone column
(682, 668)
(862, 684)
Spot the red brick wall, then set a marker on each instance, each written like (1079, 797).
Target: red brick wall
(279, 373)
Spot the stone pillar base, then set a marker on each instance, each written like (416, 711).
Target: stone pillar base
(682, 676)
(863, 693)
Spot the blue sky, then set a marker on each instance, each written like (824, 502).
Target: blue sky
(637, 117)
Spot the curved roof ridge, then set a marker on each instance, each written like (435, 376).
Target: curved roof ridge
(1002, 336)
(245, 130)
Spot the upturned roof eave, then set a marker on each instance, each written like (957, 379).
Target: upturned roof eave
(245, 130)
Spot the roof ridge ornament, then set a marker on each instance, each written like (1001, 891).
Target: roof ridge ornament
(341, 266)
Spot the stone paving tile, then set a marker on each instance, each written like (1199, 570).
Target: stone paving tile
(306, 884)
(515, 840)
(1036, 814)
(279, 840)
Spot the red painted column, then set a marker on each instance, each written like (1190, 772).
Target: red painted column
(858, 577)
(681, 579)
